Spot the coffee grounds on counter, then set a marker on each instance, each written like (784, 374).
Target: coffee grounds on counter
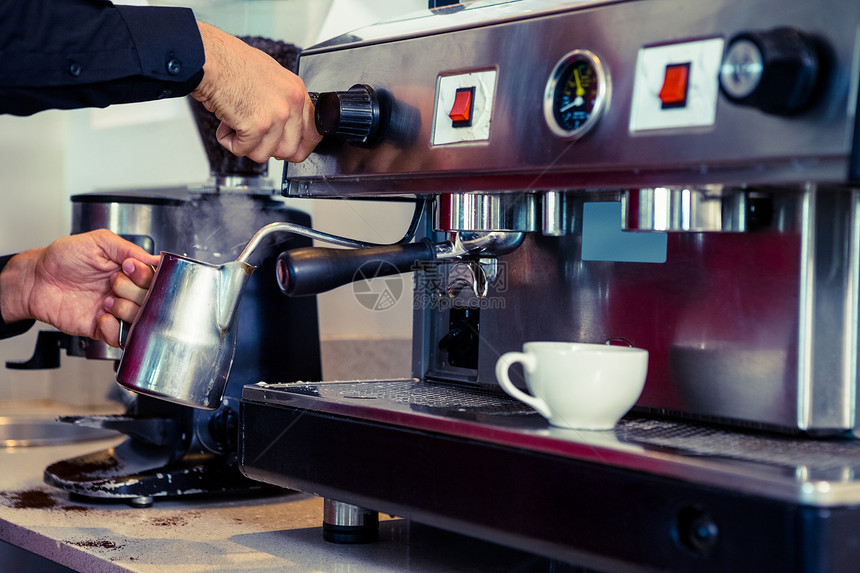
(30, 499)
(168, 521)
(101, 543)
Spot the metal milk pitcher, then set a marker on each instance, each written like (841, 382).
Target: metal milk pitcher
(181, 346)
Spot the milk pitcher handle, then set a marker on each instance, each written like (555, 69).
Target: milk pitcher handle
(529, 363)
(124, 327)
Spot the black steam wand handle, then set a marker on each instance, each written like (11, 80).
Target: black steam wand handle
(313, 270)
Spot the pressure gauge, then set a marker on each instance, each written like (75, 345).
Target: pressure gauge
(576, 94)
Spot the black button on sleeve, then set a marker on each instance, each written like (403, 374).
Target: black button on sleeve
(174, 66)
(167, 41)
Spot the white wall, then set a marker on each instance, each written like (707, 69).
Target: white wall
(46, 158)
(32, 195)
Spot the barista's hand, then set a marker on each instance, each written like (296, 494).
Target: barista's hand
(265, 110)
(129, 288)
(80, 284)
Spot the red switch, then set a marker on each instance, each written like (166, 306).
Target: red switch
(673, 94)
(461, 111)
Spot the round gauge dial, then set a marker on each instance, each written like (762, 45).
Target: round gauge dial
(576, 94)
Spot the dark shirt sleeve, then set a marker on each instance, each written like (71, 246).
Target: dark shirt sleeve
(65, 54)
(9, 330)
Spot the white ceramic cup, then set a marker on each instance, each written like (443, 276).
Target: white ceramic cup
(577, 385)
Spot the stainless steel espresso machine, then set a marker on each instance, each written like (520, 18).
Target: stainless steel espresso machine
(721, 139)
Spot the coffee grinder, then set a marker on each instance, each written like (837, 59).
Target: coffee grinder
(172, 450)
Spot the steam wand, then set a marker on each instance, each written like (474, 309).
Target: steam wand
(313, 270)
(281, 227)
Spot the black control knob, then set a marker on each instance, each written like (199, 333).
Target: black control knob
(776, 71)
(352, 115)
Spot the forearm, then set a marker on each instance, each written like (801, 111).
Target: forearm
(215, 45)
(16, 280)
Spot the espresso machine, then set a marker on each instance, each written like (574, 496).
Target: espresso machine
(675, 176)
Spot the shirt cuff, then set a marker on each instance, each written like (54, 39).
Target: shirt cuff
(167, 40)
(16, 328)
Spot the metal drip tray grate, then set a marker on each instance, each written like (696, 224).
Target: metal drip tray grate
(400, 395)
(430, 396)
(691, 439)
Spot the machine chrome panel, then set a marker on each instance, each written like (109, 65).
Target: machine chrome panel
(755, 329)
(685, 210)
(485, 212)
(743, 146)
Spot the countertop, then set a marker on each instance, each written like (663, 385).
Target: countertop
(268, 534)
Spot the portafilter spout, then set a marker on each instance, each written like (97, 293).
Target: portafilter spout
(314, 270)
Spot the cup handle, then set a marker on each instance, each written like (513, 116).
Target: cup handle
(529, 362)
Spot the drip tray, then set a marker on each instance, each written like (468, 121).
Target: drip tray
(650, 495)
(23, 431)
(795, 469)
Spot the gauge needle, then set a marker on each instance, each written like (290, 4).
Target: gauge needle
(579, 90)
(575, 103)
